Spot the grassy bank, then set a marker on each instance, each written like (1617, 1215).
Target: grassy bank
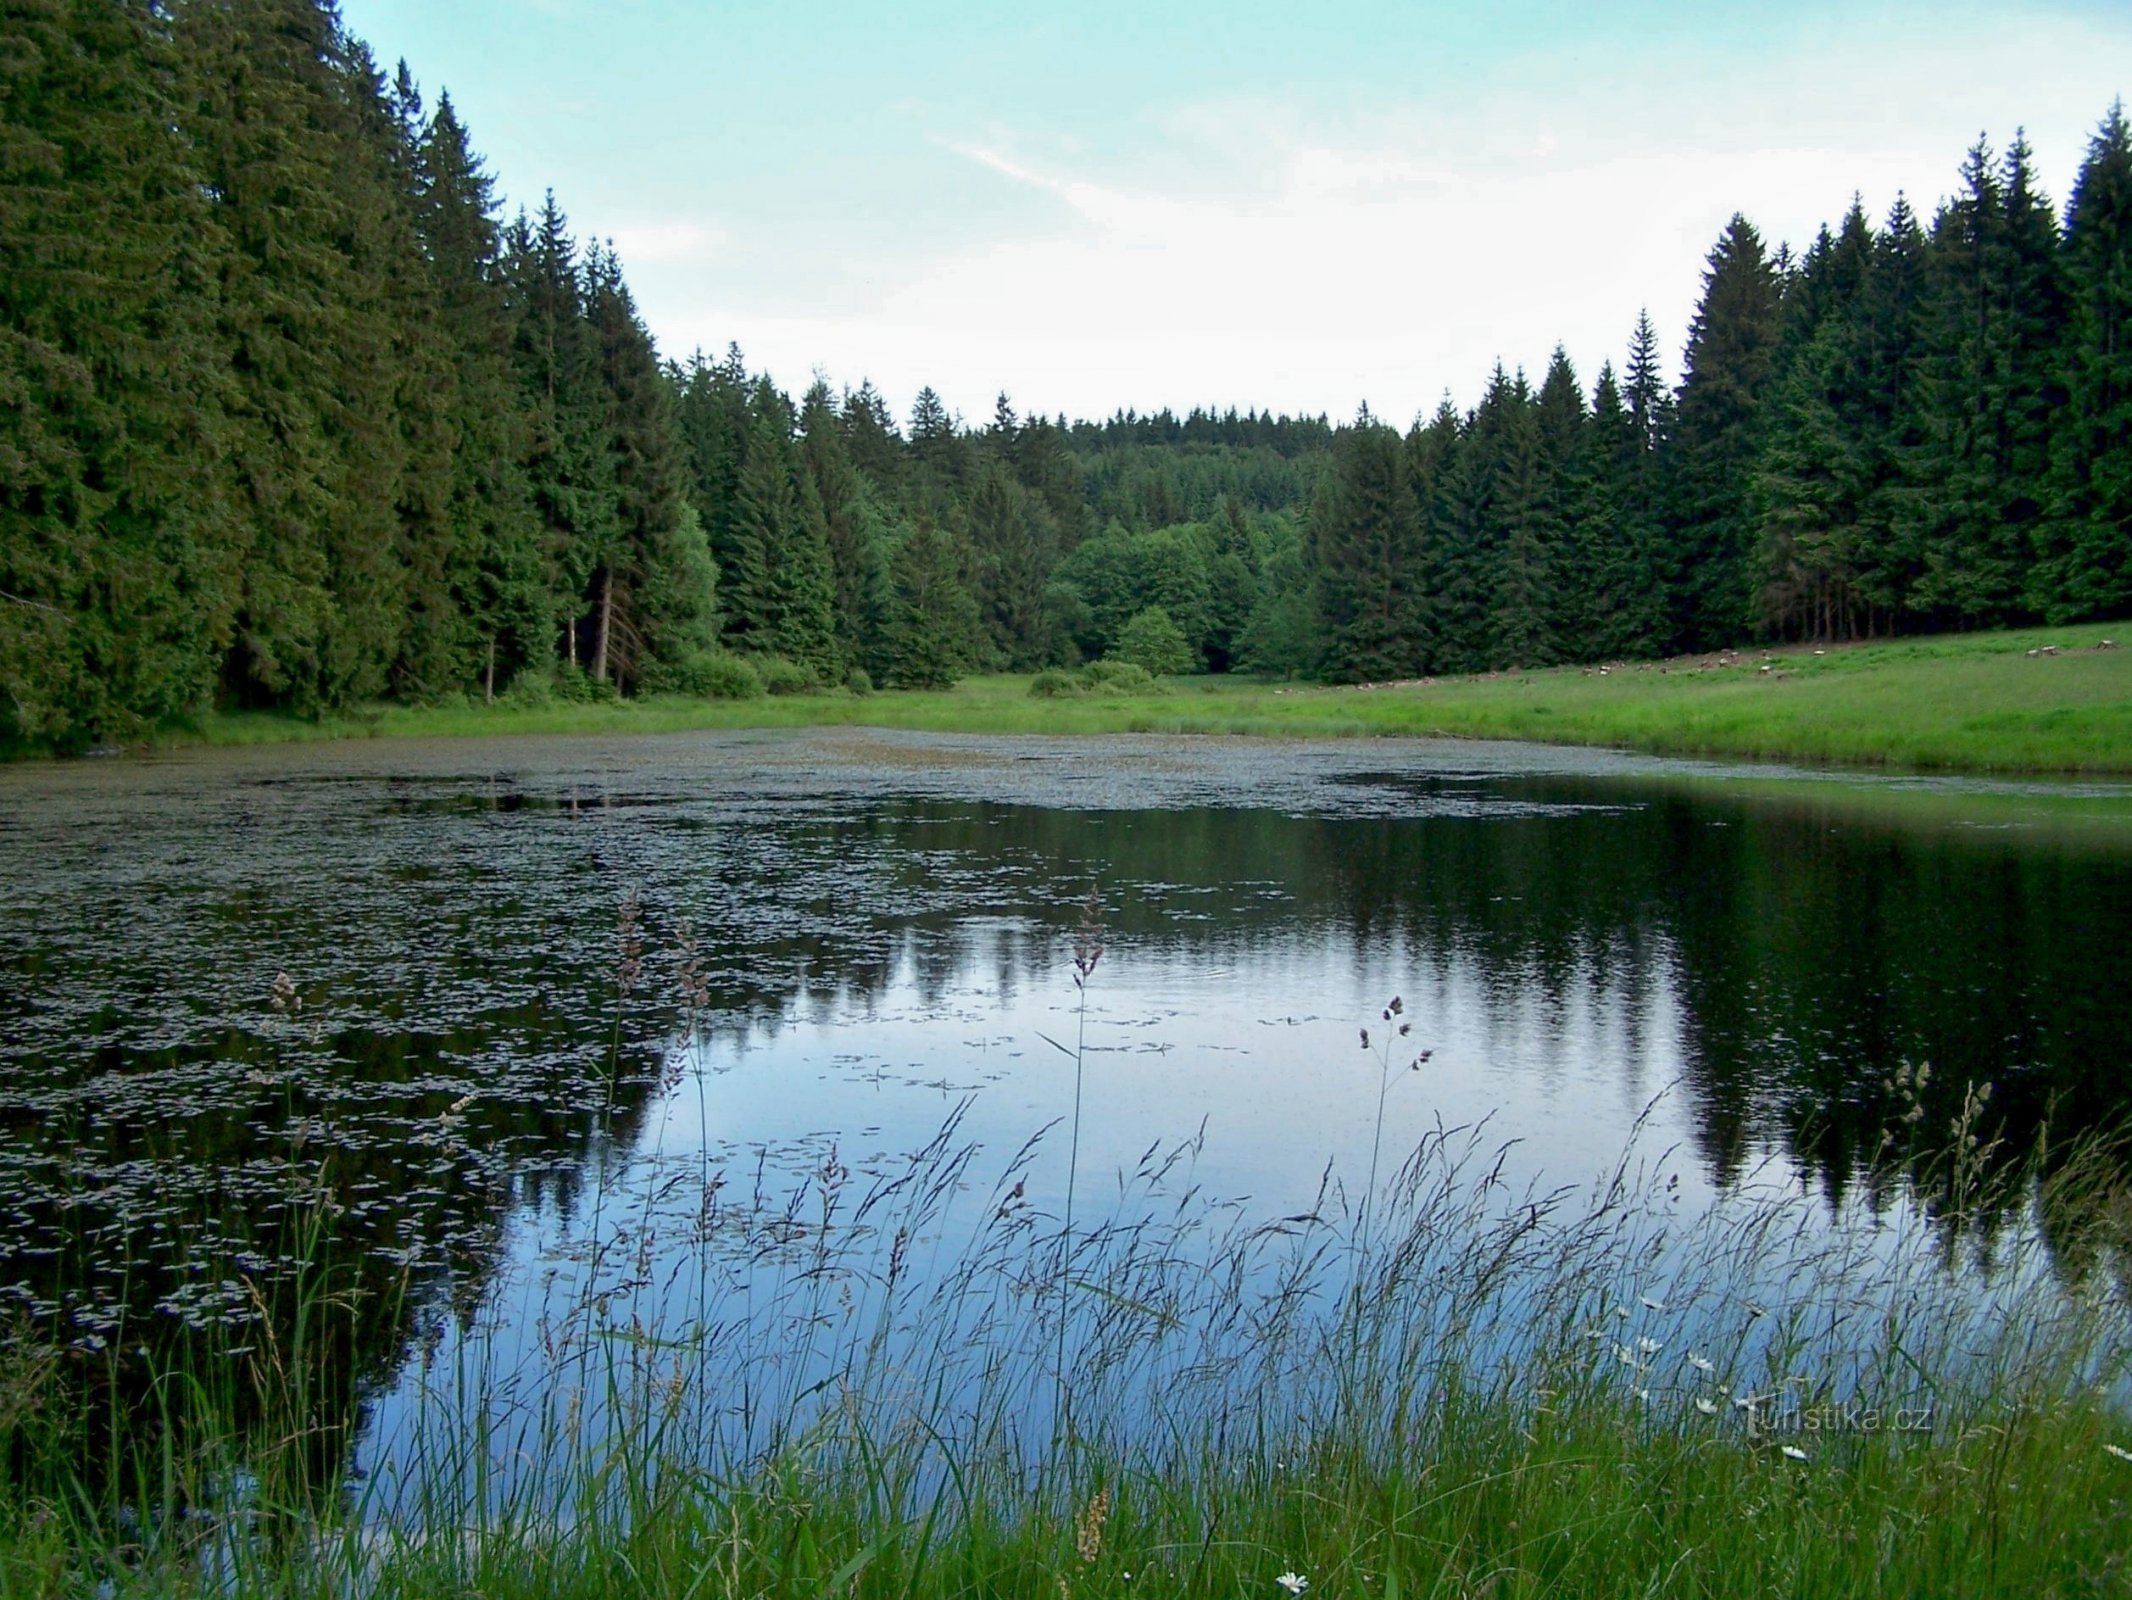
(1458, 1389)
(1967, 703)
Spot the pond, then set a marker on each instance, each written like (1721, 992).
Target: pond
(539, 1039)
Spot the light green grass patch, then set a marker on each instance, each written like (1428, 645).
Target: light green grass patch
(1966, 703)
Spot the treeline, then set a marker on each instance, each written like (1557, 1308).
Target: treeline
(1903, 429)
(294, 417)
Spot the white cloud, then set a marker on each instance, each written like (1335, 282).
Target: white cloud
(663, 243)
(1263, 254)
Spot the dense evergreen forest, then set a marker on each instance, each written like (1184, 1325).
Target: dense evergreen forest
(296, 417)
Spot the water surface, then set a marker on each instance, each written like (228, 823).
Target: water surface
(377, 996)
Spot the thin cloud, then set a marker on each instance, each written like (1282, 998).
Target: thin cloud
(662, 243)
(1267, 253)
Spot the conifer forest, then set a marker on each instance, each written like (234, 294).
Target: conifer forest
(299, 414)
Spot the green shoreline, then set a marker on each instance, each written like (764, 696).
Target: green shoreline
(2038, 701)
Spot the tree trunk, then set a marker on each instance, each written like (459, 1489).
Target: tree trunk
(488, 678)
(599, 656)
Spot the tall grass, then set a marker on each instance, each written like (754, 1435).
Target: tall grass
(1490, 1388)
(917, 1383)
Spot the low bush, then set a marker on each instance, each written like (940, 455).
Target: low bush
(1056, 683)
(1112, 676)
(704, 675)
(780, 676)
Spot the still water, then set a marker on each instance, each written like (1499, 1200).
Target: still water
(476, 1014)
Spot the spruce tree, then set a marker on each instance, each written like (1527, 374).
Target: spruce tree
(1013, 547)
(2086, 552)
(787, 581)
(1625, 604)
(1891, 355)
(499, 571)
(1716, 439)
(1462, 532)
(1366, 540)
(1232, 582)
(570, 464)
(119, 573)
(937, 456)
(848, 522)
(1816, 471)
(1569, 621)
(932, 623)
(1525, 538)
(870, 434)
(647, 470)
(1989, 391)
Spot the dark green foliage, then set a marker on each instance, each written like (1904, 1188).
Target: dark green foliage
(1715, 440)
(291, 421)
(782, 598)
(706, 675)
(1367, 554)
(1462, 527)
(497, 568)
(1280, 636)
(1817, 468)
(932, 626)
(569, 466)
(120, 551)
(847, 519)
(1014, 545)
(1995, 319)
(2085, 550)
(780, 676)
(1232, 583)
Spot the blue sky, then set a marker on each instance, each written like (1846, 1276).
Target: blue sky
(1244, 203)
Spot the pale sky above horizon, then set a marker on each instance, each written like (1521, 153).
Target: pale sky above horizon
(1121, 205)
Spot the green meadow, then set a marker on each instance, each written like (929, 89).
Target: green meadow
(2036, 701)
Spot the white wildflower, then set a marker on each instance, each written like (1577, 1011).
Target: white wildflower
(2119, 1451)
(1653, 1304)
(1793, 1453)
(1293, 1582)
(1707, 1407)
(1701, 1363)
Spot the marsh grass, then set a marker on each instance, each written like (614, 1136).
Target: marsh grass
(1981, 702)
(1504, 1390)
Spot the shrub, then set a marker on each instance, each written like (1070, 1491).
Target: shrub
(780, 676)
(530, 688)
(1112, 676)
(859, 681)
(575, 684)
(1153, 641)
(705, 675)
(1055, 683)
